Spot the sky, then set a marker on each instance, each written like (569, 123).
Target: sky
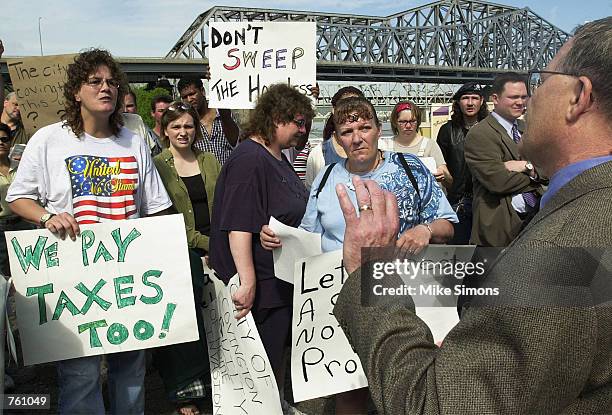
(139, 28)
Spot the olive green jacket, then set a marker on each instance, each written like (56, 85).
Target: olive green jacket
(209, 168)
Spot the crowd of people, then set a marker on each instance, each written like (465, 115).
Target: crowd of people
(484, 180)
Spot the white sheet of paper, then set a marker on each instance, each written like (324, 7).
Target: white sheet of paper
(297, 244)
(322, 360)
(241, 375)
(430, 163)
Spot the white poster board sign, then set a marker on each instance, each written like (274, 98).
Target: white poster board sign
(246, 57)
(322, 360)
(296, 244)
(122, 285)
(241, 375)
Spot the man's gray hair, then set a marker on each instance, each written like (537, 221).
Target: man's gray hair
(9, 95)
(591, 55)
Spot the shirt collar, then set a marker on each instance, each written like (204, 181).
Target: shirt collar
(504, 123)
(569, 172)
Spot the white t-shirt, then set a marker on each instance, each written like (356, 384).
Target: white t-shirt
(94, 179)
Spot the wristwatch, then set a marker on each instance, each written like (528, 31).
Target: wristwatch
(45, 218)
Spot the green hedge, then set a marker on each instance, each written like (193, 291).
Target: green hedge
(144, 98)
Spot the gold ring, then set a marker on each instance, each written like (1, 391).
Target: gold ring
(365, 207)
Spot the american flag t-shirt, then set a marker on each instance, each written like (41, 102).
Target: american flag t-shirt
(103, 188)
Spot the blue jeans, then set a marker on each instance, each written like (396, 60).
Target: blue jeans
(80, 391)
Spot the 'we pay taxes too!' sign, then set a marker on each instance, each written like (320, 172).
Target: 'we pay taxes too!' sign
(122, 285)
(245, 58)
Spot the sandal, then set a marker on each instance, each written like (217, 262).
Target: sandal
(187, 408)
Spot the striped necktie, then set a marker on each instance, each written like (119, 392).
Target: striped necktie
(530, 198)
(516, 135)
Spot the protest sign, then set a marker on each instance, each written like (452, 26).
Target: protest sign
(241, 375)
(122, 285)
(297, 244)
(39, 85)
(322, 360)
(246, 57)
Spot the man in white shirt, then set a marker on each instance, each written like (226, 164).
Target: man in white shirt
(506, 188)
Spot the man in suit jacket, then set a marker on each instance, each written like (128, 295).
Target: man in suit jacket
(543, 346)
(500, 177)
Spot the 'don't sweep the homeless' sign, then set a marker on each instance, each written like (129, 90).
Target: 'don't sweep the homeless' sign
(122, 285)
(246, 57)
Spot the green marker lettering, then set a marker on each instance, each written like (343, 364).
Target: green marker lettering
(117, 333)
(40, 291)
(102, 252)
(64, 302)
(122, 245)
(94, 340)
(143, 330)
(87, 240)
(145, 280)
(51, 255)
(124, 302)
(93, 296)
(29, 257)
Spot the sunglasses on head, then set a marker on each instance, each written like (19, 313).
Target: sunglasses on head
(180, 106)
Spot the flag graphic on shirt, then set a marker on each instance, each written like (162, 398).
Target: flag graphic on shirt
(103, 188)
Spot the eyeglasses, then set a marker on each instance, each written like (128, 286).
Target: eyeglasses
(405, 122)
(97, 83)
(535, 79)
(5, 138)
(300, 123)
(179, 106)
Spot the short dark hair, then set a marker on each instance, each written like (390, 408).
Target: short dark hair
(167, 99)
(175, 111)
(188, 81)
(6, 129)
(85, 64)
(345, 91)
(347, 107)
(501, 80)
(590, 55)
(402, 106)
(132, 94)
(279, 104)
(329, 127)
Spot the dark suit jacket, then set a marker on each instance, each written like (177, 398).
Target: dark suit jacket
(487, 147)
(538, 355)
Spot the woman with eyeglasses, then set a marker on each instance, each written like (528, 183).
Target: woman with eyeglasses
(425, 214)
(189, 176)
(405, 123)
(256, 183)
(55, 187)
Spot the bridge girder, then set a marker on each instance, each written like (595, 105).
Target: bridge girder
(448, 41)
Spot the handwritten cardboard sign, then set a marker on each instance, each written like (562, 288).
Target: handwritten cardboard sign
(114, 289)
(322, 360)
(246, 57)
(39, 85)
(241, 375)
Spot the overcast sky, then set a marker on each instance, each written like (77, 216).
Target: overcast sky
(152, 27)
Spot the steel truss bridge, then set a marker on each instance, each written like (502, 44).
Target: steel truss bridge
(447, 41)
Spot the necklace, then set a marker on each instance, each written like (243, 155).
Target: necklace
(379, 158)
